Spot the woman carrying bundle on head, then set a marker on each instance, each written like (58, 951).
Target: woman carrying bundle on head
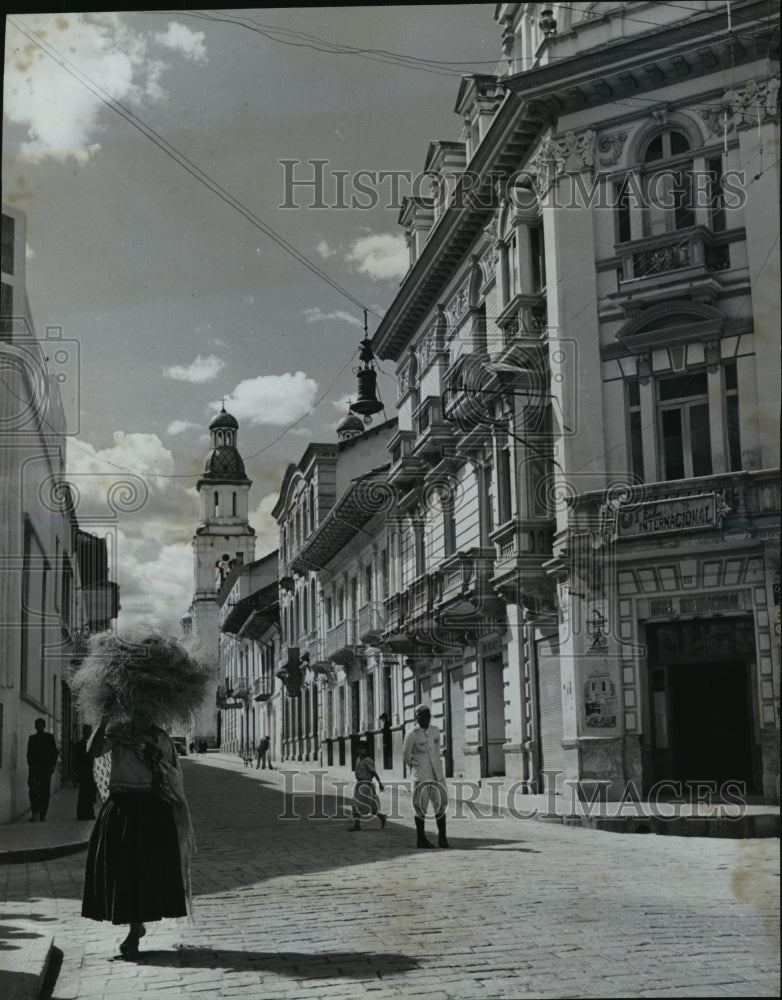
(138, 859)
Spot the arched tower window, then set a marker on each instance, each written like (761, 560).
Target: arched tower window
(217, 503)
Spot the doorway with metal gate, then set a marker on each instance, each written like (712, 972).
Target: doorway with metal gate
(700, 701)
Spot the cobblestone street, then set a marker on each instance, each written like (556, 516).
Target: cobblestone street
(303, 908)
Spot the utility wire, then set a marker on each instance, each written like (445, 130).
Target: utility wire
(195, 171)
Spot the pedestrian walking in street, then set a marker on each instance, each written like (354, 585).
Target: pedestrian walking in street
(42, 754)
(263, 752)
(421, 754)
(85, 777)
(365, 800)
(138, 859)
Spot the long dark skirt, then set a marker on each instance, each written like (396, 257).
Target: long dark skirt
(133, 870)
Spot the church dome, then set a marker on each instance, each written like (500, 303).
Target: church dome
(350, 426)
(224, 419)
(224, 462)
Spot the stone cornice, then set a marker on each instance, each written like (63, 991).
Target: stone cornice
(649, 60)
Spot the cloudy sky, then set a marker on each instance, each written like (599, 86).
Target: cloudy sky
(145, 150)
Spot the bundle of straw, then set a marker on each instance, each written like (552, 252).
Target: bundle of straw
(147, 678)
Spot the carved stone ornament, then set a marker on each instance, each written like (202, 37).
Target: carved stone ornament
(610, 147)
(569, 154)
(573, 153)
(488, 263)
(644, 368)
(428, 345)
(458, 304)
(743, 108)
(711, 350)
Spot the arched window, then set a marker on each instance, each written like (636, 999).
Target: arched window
(233, 504)
(667, 183)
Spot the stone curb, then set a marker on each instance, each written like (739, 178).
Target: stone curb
(41, 853)
(24, 970)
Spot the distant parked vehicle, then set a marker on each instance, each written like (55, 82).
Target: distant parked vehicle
(181, 745)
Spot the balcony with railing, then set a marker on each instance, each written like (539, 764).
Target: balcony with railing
(524, 319)
(406, 468)
(690, 259)
(462, 589)
(394, 613)
(263, 687)
(521, 547)
(434, 431)
(371, 622)
(340, 642)
(417, 612)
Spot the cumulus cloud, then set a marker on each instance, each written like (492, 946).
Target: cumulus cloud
(271, 399)
(134, 452)
(325, 250)
(180, 38)
(180, 426)
(155, 588)
(198, 371)
(382, 256)
(316, 315)
(62, 116)
(126, 492)
(266, 531)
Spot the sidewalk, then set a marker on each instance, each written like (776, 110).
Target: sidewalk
(61, 833)
(506, 797)
(27, 947)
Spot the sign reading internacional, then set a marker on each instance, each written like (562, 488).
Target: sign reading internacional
(677, 514)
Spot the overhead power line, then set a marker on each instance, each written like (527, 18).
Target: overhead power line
(186, 163)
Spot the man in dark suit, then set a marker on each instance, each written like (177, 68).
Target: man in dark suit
(42, 756)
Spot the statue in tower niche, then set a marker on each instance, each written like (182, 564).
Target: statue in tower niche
(224, 565)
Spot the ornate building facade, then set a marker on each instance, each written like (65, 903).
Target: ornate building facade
(587, 347)
(567, 540)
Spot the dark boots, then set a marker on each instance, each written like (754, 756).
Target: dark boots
(421, 836)
(441, 838)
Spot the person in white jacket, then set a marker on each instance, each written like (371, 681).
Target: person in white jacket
(421, 754)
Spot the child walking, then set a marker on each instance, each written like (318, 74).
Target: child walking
(365, 800)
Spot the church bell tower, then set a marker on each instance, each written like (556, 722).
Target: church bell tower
(222, 540)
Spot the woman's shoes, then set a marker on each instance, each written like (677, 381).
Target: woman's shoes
(129, 947)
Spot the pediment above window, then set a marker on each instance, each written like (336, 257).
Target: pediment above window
(667, 325)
